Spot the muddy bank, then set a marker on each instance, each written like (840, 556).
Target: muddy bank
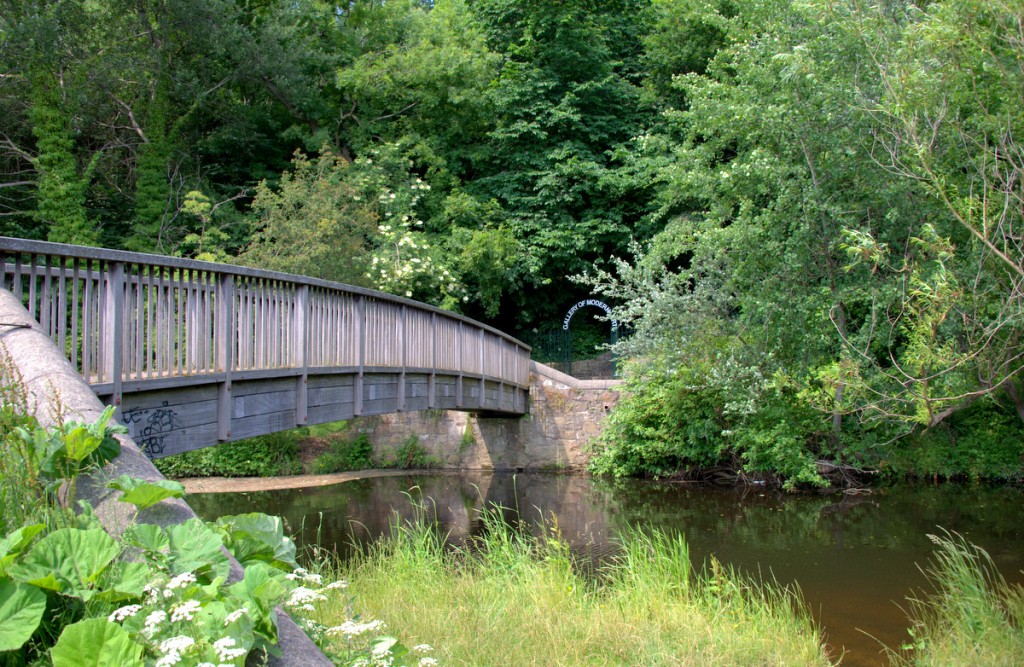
(246, 484)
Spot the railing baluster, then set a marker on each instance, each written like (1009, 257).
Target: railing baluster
(16, 283)
(75, 314)
(62, 307)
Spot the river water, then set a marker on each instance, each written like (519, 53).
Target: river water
(856, 559)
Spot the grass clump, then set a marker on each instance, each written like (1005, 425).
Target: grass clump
(411, 454)
(345, 455)
(514, 598)
(973, 617)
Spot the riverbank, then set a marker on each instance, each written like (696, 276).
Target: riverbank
(249, 484)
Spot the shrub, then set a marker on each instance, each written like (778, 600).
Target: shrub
(411, 454)
(265, 456)
(345, 455)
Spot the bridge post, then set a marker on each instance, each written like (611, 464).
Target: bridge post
(300, 313)
(483, 369)
(501, 372)
(357, 381)
(405, 357)
(113, 332)
(225, 326)
(458, 378)
(432, 378)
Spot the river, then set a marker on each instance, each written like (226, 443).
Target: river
(856, 559)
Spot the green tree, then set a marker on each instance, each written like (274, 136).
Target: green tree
(313, 223)
(563, 102)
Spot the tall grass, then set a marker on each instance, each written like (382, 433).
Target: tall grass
(24, 499)
(973, 617)
(515, 599)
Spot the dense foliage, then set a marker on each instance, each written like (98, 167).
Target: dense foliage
(265, 456)
(838, 274)
(816, 205)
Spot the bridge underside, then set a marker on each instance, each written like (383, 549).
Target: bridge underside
(174, 415)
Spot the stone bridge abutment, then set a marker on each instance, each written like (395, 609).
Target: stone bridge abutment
(565, 415)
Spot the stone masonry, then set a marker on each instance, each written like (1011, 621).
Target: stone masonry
(565, 415)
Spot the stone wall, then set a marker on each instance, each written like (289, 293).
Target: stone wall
(565, 414)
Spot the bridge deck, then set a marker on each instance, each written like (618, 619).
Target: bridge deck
(196, 353)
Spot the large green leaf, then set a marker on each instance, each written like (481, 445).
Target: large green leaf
(194, 547)
(150, 538)
(79, 443)
(261, 589)
(68, 560)
(128, 582)
(14, 543)
(95, 642)
(21, 609)
(259, 537)
(142, 493)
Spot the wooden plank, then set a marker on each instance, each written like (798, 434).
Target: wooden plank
(159, 384)
(178, 442)
(248, 388)
(360, 353)
(329, 380)
(114, 341)
(75, 315)
(261, 424)
(225, 323)
(180, 396)
(323, 414)
(331, 395)
(299, 318)
(264, 403)
(62, 308)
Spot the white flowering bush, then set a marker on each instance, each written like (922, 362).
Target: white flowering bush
(403, 260)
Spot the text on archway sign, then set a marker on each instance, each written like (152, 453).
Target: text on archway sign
(588, 302)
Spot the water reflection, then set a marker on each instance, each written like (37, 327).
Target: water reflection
(855, 558)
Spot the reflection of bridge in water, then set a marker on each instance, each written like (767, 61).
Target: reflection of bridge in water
(196, 353)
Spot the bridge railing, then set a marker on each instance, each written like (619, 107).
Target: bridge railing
(134, 318)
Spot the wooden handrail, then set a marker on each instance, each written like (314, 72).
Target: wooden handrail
(125, 317)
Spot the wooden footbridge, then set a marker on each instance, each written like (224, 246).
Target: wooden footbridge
(196, 353)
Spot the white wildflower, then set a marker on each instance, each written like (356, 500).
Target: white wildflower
(353, 629)
(423, 648)
(428, 662)
(178, 644)
(153, 622)
(340, 583)
(225, 652)
(169, 660)
(235, 615)
(185, 611)
(181, 581)
(302, 596)
(124, 612)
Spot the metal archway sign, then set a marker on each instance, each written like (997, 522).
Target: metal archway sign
(588, 302)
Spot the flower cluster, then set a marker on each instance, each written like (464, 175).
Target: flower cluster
(168, 624)
(354, 642)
